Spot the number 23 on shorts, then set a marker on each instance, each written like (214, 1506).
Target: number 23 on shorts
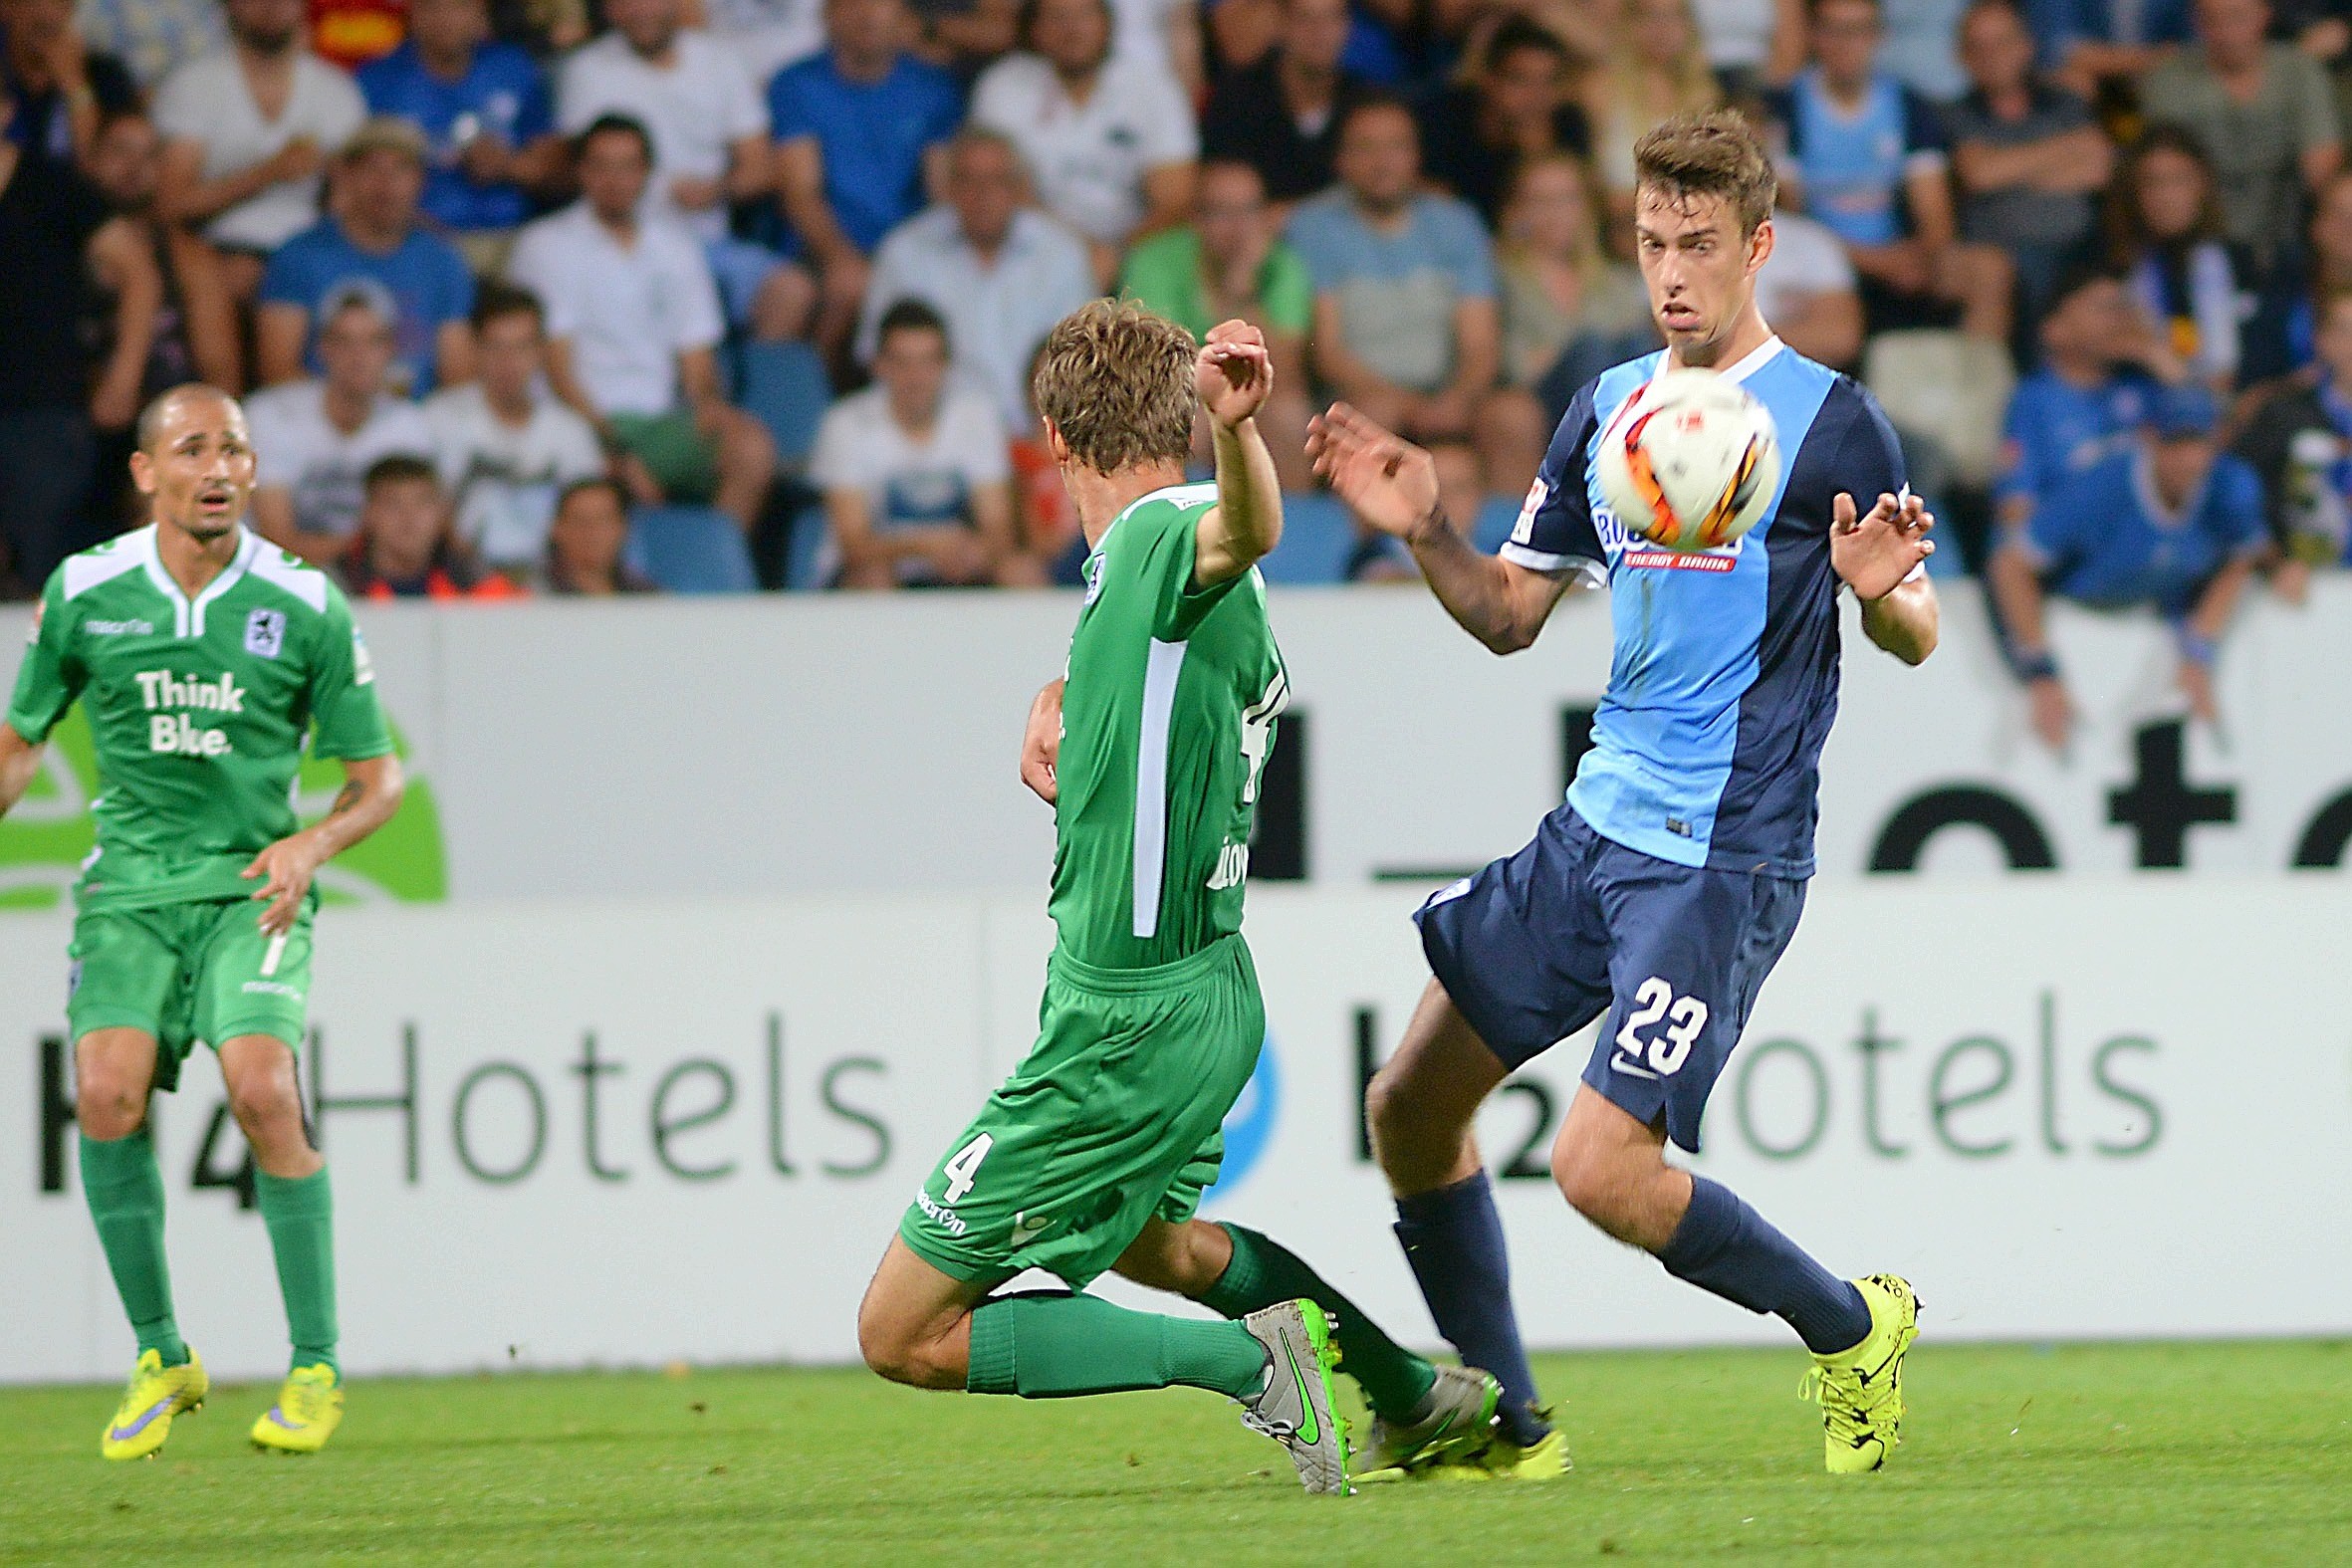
(1667, 1050)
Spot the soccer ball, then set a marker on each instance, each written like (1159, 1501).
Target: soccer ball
(1690, 462)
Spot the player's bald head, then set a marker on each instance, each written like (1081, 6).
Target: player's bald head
(190, 399)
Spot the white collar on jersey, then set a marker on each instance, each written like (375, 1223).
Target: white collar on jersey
(189, 615)
(1747, 365)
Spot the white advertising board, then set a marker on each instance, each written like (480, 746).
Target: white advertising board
(622, 1133)
(808, 744)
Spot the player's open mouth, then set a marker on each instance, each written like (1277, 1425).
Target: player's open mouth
(1680, 317)
(216, 501)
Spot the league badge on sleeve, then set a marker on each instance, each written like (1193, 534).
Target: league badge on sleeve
(265, 633)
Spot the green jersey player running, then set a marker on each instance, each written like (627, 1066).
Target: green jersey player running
(202, 659)
(1094, 1153)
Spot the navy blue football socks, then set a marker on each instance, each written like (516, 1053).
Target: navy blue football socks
(1453, 1237)
(1727, 1247)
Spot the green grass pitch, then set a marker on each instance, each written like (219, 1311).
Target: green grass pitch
(2120, 1454)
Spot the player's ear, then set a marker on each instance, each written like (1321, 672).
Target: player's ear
(1759, 247)
(1056, 448)
(142, 473)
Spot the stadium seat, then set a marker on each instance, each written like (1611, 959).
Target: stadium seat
(808, 561)
(1948, 383)
(1492, 526)
(784, 387)
(690, 550)
(1317, 534)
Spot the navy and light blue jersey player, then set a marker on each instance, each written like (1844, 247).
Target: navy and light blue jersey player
(1660, 894)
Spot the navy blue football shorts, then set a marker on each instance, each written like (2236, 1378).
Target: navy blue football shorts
(1541, 943)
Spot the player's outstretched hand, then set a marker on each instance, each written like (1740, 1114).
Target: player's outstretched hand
(1234, 373)
(1387, 480)
(285, 870)
(1040, 744)
(1877, 550)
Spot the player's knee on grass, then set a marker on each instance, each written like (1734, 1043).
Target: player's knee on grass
(897, 1348)
(113, 1069)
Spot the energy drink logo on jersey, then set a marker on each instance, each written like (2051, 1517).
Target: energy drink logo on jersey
(44, 840)
(1628, 551)
(1249, 1126)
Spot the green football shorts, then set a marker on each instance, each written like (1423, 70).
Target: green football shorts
(185, 972)
(1112, 1119)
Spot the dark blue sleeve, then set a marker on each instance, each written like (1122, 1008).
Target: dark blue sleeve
(789, 114)
(2065, 522)
(1555, 531)
(2237, 509)
(288, 280)
(537, 115)
(1924, 129)
(1869, 460)
(1780, 106)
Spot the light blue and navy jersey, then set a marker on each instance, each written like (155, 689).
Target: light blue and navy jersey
(1706, 750)
(1852, 165)
(2106, 540)
(2056, 430)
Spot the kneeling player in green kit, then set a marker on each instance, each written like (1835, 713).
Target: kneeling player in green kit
(202, 658)
(1094, 1153)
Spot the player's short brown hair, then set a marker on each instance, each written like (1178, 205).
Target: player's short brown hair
(1717, 154)
(1116, 381)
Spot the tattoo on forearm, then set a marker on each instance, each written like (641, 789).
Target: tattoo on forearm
(348, 798)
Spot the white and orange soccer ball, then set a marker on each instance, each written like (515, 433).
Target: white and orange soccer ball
(1690, 462)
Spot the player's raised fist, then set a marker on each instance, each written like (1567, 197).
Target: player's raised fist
(1878, 550)
(1234, 372)
(1387, 480)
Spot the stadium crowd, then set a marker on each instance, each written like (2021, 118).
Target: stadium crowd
(575, 296)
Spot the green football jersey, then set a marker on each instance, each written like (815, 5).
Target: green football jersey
(199, 709)
(1167, 721)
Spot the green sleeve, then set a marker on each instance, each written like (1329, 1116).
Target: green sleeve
(50, 678)
(1161, 558)
(1288, 293)
(344, 706)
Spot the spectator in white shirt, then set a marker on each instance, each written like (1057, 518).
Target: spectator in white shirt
(316, 439)
(708, 129)
(916, 473)
(247, 130)
(1806, 292)
(505, 447)
(632, 318)
(998, 273)
(1111, 142)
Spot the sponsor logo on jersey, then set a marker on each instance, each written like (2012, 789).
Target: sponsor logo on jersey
(272, 987)
(265, 633)
(120, 628)
(173, 733)
(363, 671)
(1628, 551)
(945, 1217)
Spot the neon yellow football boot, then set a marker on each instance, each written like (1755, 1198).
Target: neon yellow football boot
(1860, 1391)
(154, 1394)
(309, 1409)
(1503, 1460)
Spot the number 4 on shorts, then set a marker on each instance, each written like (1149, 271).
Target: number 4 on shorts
(964, 1164)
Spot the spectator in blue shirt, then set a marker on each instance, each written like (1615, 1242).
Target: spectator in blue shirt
(488, 119)
(2300, 443)
(1869, 158)
(370, 243)
(2090, 43)
(2170, 525)
(857, 130)
(1406, 321)
(2102, 359)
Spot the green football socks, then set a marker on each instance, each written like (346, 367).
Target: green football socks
(1263, 1272)
(124, 1190)
(300, 1214)
(1058, 1347)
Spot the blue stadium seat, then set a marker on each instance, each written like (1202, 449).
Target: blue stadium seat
(1493, 526)
(690, 550)
(1317, 534)
(784, 387)
(805, 556)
